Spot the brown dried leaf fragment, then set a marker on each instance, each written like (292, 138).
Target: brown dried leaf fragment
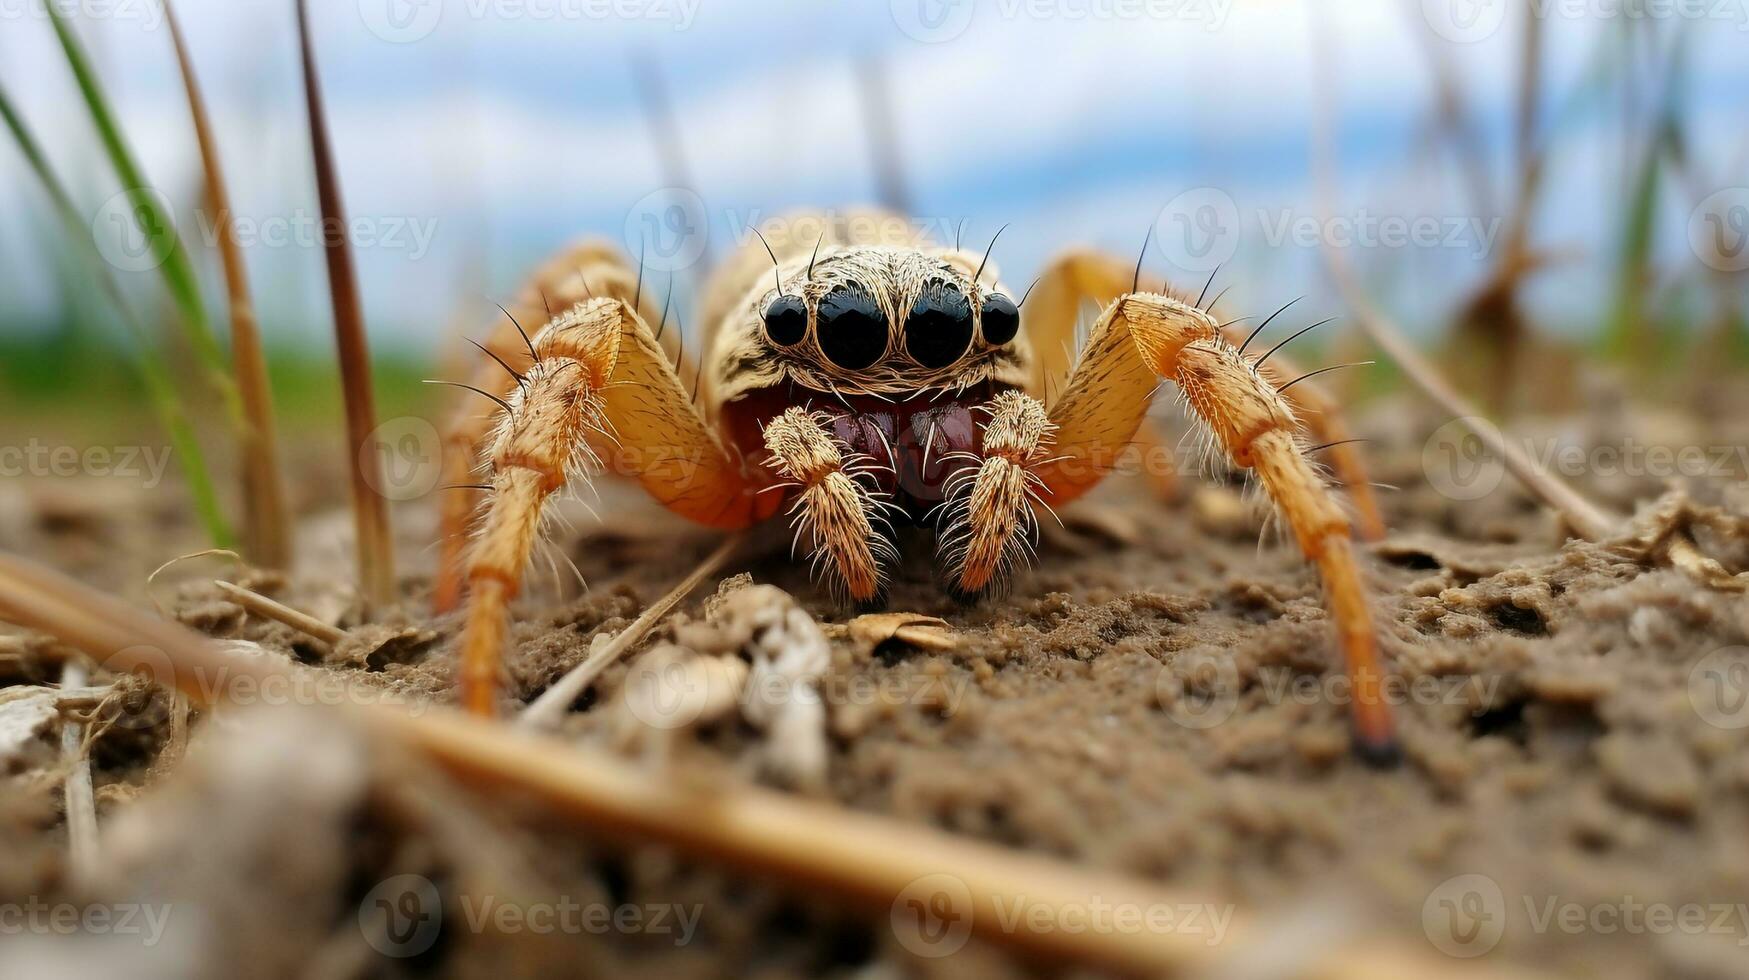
(912, 629)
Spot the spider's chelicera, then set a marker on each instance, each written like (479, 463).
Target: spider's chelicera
(854, 386)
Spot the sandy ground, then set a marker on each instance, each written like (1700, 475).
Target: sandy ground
(1158, 696)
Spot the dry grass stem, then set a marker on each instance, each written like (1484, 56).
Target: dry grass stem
(376, 558)
(80, 800)
(279, 612)
(266, 534)
(1581, 514)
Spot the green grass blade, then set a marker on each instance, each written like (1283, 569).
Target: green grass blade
(158, 227)
(160, 390)
(1627, 336)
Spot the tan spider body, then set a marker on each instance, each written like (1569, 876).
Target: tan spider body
(852, 384)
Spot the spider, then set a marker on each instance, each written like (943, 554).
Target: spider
(859, 383)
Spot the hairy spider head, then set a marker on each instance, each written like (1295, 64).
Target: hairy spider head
(889, 321)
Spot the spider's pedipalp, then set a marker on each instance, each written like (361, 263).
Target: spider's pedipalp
(987, 523)
(836, 514)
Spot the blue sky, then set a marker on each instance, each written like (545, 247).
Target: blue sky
(476, 136)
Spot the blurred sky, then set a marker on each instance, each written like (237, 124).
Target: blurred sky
(476, 136)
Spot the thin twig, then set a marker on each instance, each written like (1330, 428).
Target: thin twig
(883, 135)
(266, 534)
(665, 135)
(1581, 514)
(279, 612)
(376, 551)
(547, 710)
(81, 801)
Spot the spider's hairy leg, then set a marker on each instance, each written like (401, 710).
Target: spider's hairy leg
(987, 523)
(576, 274)
(1079, 278)
(835, 512)
(1145, 336)
(540, 445)
(600, 395)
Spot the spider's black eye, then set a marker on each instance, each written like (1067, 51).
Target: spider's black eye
(1001, 319)
(939, 328)
(853, 330)
(786, 321)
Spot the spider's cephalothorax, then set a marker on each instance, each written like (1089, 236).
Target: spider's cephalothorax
(897, 356)
(851, 383)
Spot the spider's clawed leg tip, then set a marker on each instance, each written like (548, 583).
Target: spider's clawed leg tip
(967, 598)
(873, 604)
(1378, 752)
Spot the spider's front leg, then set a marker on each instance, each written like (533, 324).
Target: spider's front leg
(540, 444)
(1142, 337)
(599, 386)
